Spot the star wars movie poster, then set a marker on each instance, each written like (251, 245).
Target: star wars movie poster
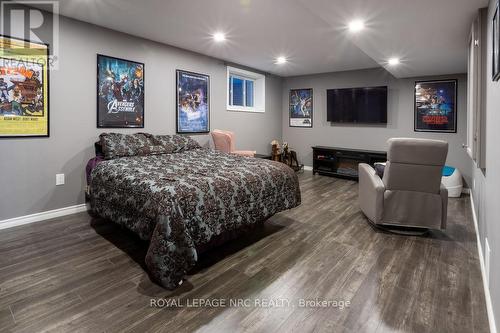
(301, 107)
(120, 92)
(436, 106)
(193, 102)
(24, 84)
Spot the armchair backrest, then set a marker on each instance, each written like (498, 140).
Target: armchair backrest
(223, 140)
(415, 164)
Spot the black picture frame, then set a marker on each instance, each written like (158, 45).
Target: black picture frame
(45, 86)
(433, 100)
(123, 120)
(495, 65)
(190, 88)
(300, 99)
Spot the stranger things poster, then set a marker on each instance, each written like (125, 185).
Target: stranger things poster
(436, 106)
(120, 93)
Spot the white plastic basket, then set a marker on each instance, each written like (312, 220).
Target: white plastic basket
(453, 183)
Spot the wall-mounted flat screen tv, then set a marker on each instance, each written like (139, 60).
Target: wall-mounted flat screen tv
(357, 105)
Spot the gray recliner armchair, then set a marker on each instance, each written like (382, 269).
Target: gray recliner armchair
(410, 193)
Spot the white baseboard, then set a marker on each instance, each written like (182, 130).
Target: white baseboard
(487, 295)
(37, 217)
(308, 168)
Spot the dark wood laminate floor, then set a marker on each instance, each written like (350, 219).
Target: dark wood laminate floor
(82, 274)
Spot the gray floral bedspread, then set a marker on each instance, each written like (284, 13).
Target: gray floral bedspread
(180, 201)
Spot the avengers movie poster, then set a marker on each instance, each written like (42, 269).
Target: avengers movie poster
(301, 107)
(436, 106)
(193, 102)
(24, 88)
(120, 93)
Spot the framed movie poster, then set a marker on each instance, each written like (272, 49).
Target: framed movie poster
(120, 93)
(24, 88)
(436, 106)
(496, 46)
(193, 102)
(301, 108)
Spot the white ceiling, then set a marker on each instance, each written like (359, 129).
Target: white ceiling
(430, 36)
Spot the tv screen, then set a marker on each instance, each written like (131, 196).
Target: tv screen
(357, 105)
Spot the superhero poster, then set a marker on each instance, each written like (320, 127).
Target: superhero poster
(301, 107)
(24, 88)
(436, 106)
(193, 102)
(120, 93)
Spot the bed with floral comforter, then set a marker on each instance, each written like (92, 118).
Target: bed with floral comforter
(179, 196)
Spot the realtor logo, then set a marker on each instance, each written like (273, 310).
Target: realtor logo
(33, 21)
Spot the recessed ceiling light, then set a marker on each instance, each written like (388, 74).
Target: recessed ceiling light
(281, 60)
(356, 25)
(219, 37)
(393, 61)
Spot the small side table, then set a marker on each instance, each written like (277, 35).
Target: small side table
(263, 156)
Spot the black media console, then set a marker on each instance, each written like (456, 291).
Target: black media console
(343, 162)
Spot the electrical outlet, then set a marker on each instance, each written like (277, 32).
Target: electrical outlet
(487, 256)
(59, 179)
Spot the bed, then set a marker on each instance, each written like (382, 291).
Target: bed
(179, 196)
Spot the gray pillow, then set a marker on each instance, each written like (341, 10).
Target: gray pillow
(175, 143)
(119, 145)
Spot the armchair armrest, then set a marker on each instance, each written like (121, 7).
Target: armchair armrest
(250, 153)
(371, 193)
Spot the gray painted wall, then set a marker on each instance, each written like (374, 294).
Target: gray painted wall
(29, 166)
(486, 184)
(373, 137)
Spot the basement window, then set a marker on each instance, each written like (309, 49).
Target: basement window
(245, 90)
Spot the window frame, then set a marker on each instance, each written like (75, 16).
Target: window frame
(230, 91)
(258, 90)
(476, 91)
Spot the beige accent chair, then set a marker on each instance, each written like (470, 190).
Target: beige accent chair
(410, 193)
(224, 141)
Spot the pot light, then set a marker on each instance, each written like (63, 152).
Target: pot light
(356, 25)
(281, 60)
(219, 37)
(393, 61)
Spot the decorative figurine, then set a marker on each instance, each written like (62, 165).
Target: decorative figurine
(276, 154)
